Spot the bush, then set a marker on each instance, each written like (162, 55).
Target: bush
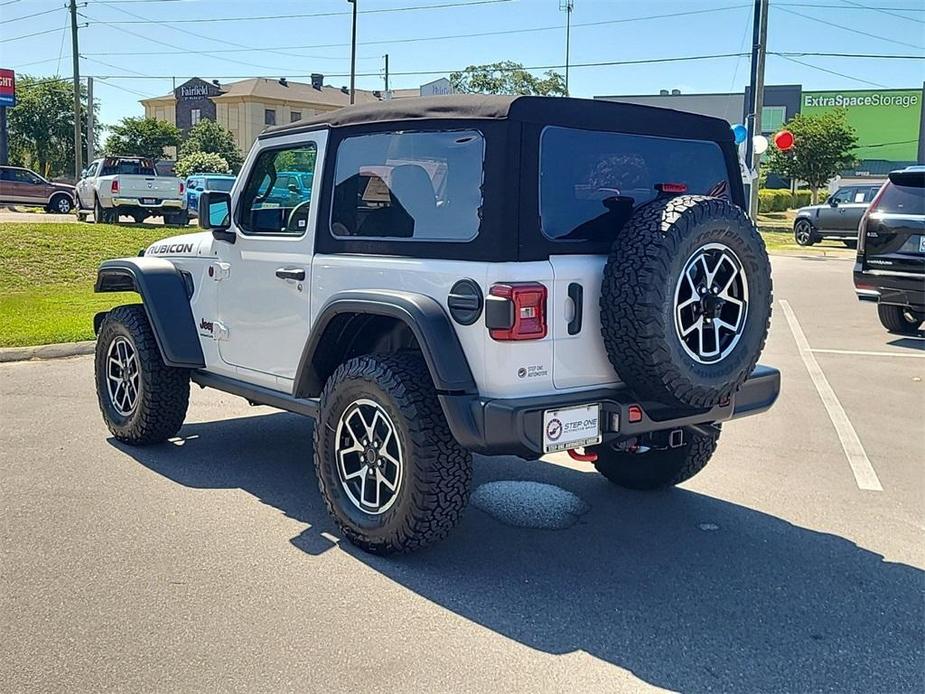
(774, 200)
(802, 198)
(202, 162)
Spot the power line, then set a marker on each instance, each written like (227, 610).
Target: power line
(211, 20)
(881, 10)
(833, 72)
(479, 34)
(842, 7)
(844, 28)
(866, 56)
(36, 33)
(30, 16)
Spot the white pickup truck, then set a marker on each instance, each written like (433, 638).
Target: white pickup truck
(114, 186)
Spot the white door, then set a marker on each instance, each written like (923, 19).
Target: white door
(263, 300)
(85, 186)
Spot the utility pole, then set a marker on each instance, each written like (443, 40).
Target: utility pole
(756, 97)
(387, 76)
(567, 6)
(78, 154)
(91, 123)
(353, 53)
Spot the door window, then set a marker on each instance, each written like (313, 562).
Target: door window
(276, 199)
(844, 195)
(424, 186)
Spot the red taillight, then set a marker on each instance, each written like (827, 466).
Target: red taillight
(114, 188)
(671, 187)
(525, 317)
(182, 187)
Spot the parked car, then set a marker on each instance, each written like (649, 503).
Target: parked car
(114, 186)
(200, 183)
(836, 218)
(289, 189)
(20, 186)
(609, 298)
(890, 268)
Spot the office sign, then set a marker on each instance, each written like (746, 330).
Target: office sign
(440, 87)
(7, 87)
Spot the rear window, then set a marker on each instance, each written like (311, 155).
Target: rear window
(904, 199)
(423, 186)
(590, 181)
(222, 184)
(128, 167)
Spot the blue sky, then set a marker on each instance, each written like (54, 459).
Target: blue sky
(304, 45)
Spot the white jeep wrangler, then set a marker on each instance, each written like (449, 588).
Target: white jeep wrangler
(499, 275)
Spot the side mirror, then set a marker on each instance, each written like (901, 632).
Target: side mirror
(215, 215)
(833, 202)
(293, 188)
(83, 174)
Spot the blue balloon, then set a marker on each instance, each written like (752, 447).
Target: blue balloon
(740, 133)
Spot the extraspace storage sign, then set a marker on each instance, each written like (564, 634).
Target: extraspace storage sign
(7, 87)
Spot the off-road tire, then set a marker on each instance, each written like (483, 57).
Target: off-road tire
(656, 469)
(163, 395)
(898, 320)
(803, 233)
(437, 471)
(638, 294)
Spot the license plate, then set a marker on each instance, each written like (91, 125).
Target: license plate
(572, 427)
(921, 244)
(148, 201)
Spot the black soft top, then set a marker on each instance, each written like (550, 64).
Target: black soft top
(542, 110)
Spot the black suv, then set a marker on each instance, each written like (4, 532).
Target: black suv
(890, 268)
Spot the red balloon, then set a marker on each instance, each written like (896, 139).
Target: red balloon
(783, 140)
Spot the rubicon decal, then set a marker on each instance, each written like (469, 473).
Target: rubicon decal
(171, 248)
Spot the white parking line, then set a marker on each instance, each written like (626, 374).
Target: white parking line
(863, 471)
(861, 353)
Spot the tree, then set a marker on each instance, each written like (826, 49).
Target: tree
(201, 162)
(823, 146)
(41, 125)
(507, 77)
(142, 137)
(209, 136)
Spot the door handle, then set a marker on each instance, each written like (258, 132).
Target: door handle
(291, 273)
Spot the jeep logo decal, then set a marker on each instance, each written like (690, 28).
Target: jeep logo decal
(206, 325)
(172, 248)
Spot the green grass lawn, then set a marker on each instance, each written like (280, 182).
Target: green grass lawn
(47, 272)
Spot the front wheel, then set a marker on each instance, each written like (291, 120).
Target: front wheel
(803, 233)
(647, 468)
(60, 204)
(142, 399)
(898, 319)
(390, 472)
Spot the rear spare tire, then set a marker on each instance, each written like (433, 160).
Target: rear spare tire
(686, 300)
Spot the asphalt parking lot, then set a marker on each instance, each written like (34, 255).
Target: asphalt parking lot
(209, 563)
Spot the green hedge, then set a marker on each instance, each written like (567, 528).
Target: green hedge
(780, 200)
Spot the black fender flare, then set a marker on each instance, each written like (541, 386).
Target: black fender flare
(426, 319)
(165, 293)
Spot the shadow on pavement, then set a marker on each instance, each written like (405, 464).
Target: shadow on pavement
(910, 342)
(756, 604)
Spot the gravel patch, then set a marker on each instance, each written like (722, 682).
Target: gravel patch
(525, 504)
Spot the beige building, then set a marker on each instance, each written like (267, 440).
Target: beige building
(250, 106)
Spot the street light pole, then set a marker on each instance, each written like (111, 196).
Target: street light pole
(756, 96)
(353, 53)
(567, 6)
(78, 154)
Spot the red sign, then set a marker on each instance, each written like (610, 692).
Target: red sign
(7, 87)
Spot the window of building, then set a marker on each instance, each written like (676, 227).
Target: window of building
(409, 185)
(277, 196)
(591, 181)
(772, 118)
(295, 116)
(194, 116)
(269, 116)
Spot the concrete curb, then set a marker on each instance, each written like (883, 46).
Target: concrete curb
(64, 349)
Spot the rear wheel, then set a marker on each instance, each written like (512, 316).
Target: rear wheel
(898, 319)
(391, 474)
(803, 233)
(653, 468)
(103, 216)
(142, 399)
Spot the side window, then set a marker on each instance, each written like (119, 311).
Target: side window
(91, 172)
(269, 116)
(6, 175)
(271, 202)
(844, 195)
(425, 186)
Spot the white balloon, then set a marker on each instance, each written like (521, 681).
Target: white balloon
(760, 143)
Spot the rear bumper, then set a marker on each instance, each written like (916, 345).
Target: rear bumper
(514, 426)
(161, 204)
(884, 287)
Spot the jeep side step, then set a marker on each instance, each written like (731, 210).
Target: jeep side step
(256, 395)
